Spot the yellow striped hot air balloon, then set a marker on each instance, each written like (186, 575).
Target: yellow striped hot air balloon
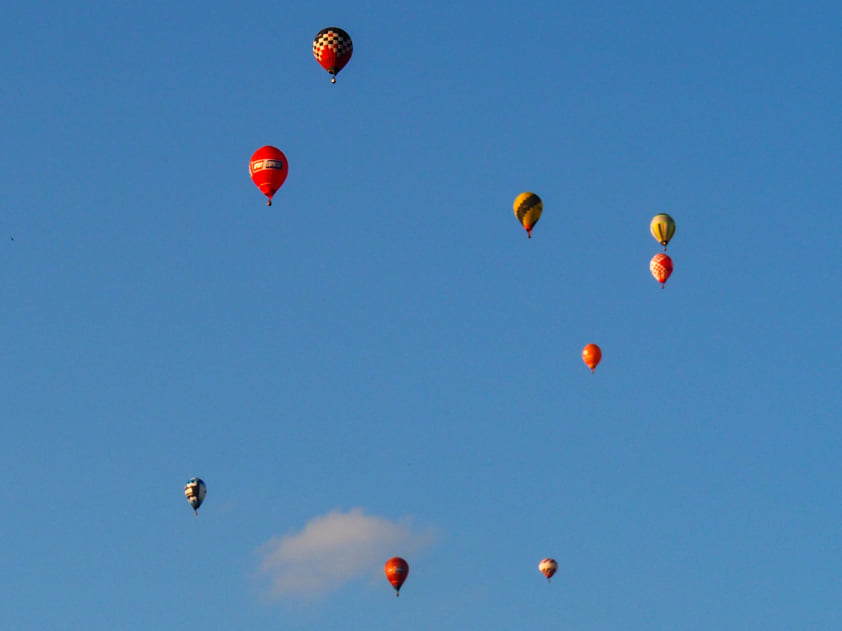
(528, 208)
(662, 228)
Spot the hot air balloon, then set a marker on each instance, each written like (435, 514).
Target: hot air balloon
(662, 228)
(661, 268)
(591, 355)
(396, 571)
(528, 208)
(332, 48)
(195, 490)
(548, 568)
(268, 168)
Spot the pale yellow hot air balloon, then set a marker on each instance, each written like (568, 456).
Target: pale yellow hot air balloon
(662, 228)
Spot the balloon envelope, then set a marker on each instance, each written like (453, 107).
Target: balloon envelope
(332, 48)
(195, 491)
(396, 571)
(591, 355)
(268, 168)
(528, 208)
(662, 228)
(661, 267)
(548, 567)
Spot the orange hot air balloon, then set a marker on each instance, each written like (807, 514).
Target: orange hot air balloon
(396, 571)
(268, 168)
(661, 268)
(591, 355)
(548, 568)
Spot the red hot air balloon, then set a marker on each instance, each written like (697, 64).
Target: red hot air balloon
(396, 571)
(332, 48)
(268, 169)
(661, 268)
(548, 568)
(591, 355)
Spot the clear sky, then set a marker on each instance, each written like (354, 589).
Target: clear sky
(382, 363)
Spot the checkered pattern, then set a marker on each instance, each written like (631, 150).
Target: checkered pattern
(661, 267)
(333, 40)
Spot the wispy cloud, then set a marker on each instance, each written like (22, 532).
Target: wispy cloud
(334, 549)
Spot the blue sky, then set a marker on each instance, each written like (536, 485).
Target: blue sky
(382, 363)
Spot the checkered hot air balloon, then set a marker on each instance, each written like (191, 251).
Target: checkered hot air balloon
(195, 491)
(332, 48)
(661, 268)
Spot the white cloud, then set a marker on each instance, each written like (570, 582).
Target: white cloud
(334, 549)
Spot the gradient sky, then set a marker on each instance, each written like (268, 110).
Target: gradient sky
(382, 363)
